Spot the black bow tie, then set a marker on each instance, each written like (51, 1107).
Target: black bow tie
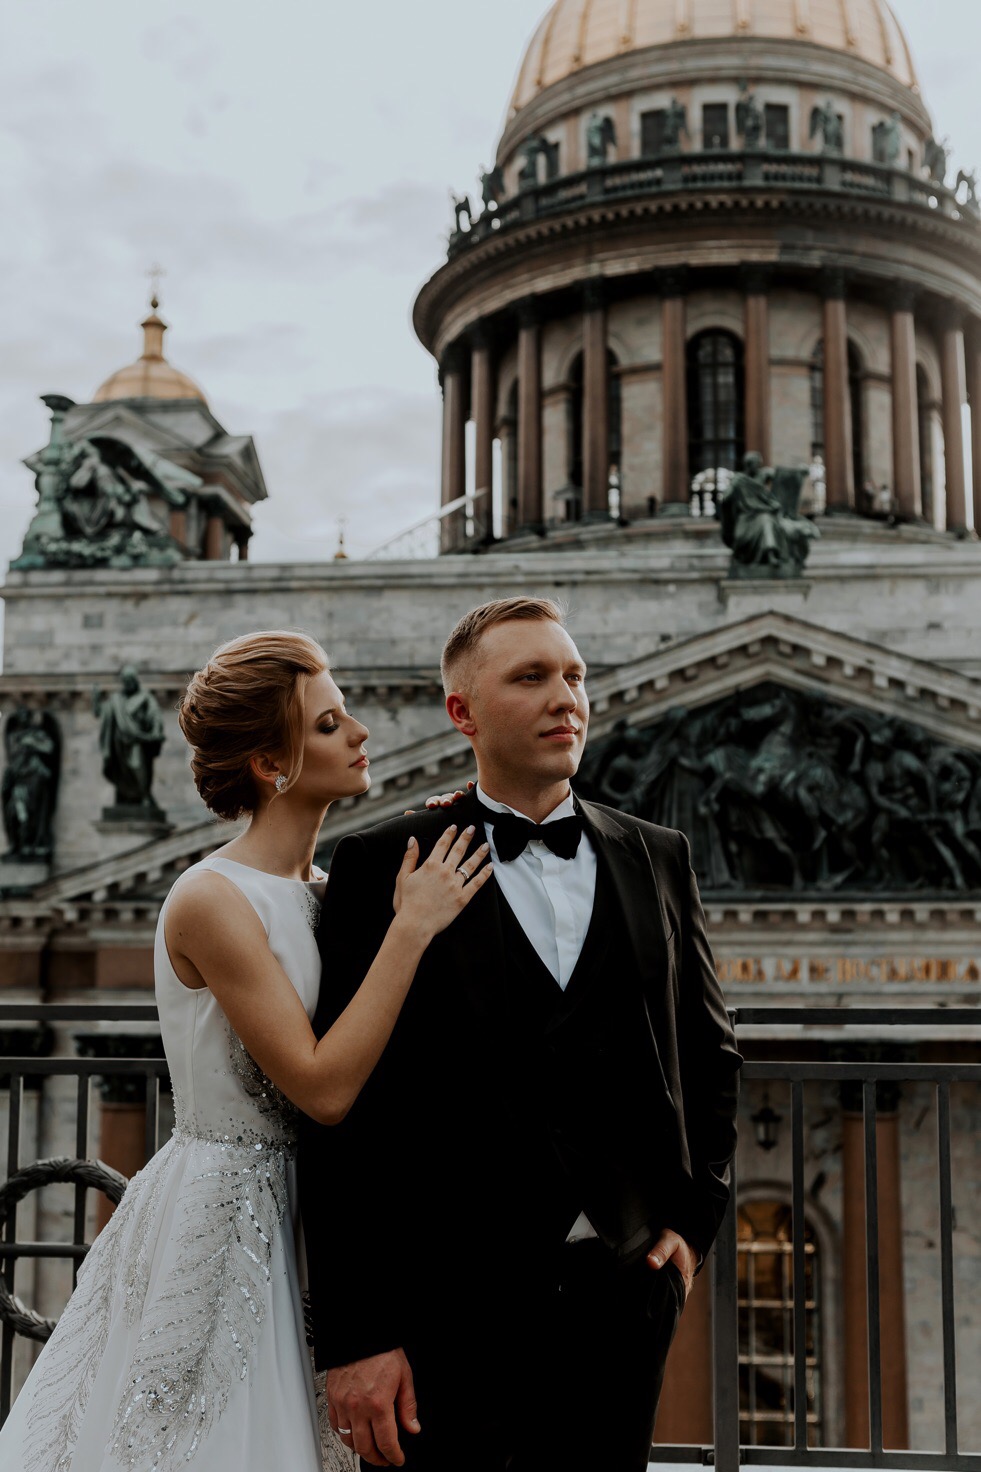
(513, 834)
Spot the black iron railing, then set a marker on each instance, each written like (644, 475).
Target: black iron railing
(713, 169)
(726, 1452)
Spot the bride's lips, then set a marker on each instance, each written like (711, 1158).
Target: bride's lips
(362, 762)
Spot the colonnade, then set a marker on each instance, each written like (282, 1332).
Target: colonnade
(473, 365)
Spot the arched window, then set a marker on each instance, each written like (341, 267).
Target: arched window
(716, 378)
(575, 420)
(766, 1326)
(924, 414)
(856, 399)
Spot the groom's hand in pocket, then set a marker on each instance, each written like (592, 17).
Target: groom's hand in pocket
(364, 1398)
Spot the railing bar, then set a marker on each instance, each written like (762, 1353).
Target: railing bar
(759, 1456)
(858, 1016)
(152, 1130)
(790, 1071)
(800, 1285)
(84, 1067)
(947, 1270)
(6, 1371)
(78, 1012)
(15, 1106)
(81, 1150)
(41, 1249)
(725, 1316)
(872, 1266)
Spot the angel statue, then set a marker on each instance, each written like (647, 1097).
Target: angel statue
(935, 156)
(749, 118)
(970, 180)
(830, 124)
(462, 211)
(29, 790)
(601, 135)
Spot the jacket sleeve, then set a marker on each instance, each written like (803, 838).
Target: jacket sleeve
(349, 1174)
(710, 1066)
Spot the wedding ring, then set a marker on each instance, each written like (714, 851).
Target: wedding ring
(344, 1431)
(464, 872)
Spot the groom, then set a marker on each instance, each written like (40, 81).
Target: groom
(502, 1233)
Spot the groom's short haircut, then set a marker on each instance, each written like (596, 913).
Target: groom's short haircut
(459, 651)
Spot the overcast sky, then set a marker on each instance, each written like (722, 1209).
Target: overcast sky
(289, 165)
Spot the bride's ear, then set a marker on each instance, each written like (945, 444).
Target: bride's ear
(264, 769)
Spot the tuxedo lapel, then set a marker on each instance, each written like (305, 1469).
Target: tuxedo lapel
(624, 855)
(472, 949)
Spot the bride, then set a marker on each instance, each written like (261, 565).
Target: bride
(184, 1341)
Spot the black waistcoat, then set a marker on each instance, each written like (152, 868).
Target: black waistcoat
(586, 1110)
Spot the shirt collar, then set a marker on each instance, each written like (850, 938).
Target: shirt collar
(565, 809)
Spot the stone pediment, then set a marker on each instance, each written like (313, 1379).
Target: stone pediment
(769, 650)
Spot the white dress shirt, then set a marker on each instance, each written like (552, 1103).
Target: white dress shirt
(552, 899)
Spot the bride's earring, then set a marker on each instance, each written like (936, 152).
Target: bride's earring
(280, 782)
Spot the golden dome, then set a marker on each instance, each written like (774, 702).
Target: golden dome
(151, 376)
(579, 33)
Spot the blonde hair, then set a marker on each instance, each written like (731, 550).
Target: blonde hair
(459, 652)
(247, 699)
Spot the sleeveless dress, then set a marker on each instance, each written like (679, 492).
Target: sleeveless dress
(184, 1341)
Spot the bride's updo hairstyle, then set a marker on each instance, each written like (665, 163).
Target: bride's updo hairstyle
(248, 699)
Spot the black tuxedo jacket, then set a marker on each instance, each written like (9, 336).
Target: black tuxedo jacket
(402, 1202)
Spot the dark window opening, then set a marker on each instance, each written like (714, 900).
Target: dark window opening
(817, 402)
(652, 131)
(716, 438)
(575, 421)
(925, 418)
(777, 122)
(856, 393)
(715, 125)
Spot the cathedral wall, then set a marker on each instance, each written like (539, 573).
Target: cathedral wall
(383, 626)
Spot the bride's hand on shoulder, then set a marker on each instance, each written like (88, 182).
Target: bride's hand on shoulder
(429, 896)
(444, 799)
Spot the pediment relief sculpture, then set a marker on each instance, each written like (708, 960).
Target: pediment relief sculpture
(100, 500)
(782, 789)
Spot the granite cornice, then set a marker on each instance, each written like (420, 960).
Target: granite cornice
(493, 275)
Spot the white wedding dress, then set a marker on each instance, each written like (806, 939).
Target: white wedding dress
(184, 1342)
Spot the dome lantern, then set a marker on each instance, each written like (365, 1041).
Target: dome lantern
(151, 376)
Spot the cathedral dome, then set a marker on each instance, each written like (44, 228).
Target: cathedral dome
(579, 33)
(151, 376)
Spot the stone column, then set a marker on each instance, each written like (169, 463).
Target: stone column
(530, 510)
(905, 414)
(685, 1413)
(178, 526)
(243, 546)
(952, 374)
(453, 527)
(757, 334)
(122, 1145)
(839, 468)
(895, 1414)
(482, 409)
(974, 397)
(596, 406)
(214, 539)
(675, 490)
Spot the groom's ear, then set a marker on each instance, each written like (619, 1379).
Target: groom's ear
(459, 712)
